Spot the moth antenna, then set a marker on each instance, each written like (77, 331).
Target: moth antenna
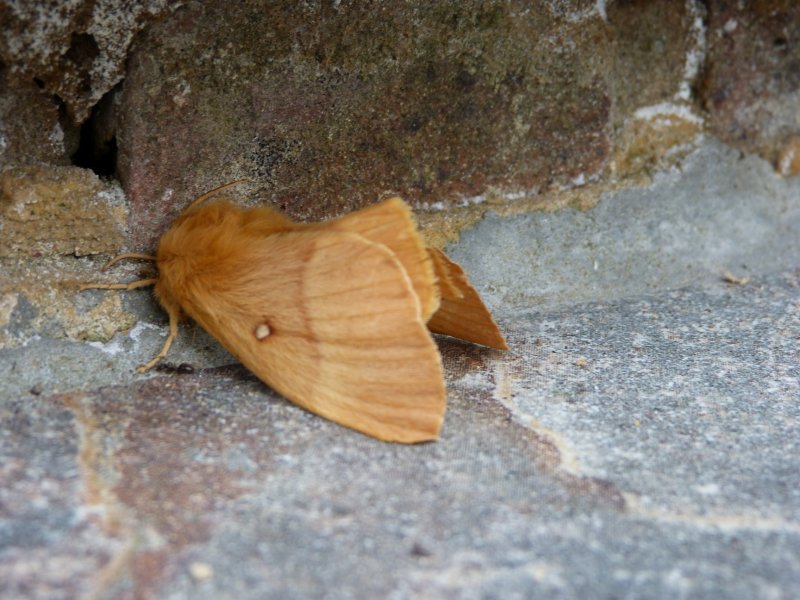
(119, 286)
(173, 333)
(126, 256)
(217, 190)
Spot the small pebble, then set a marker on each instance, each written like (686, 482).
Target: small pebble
(201, 571)
(419, 550)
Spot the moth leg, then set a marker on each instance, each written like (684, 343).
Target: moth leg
(122, 286)
(173, 333)
(119, 286)
(126, 256)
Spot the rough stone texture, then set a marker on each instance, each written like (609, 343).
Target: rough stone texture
(443, 102)
(41, 297)
(51, 546)
(47, 213)
(641, 240)
(658, 50)
(751, 86)
(31, 128)
(173, 471)
(52, 210)
(76, 49)
(435, 101)
(327, 108)
(638, 440)
(688, 402)
(651, 37)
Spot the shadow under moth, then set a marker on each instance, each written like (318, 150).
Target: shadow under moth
(336, 316)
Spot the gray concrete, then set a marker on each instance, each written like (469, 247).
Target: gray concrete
(639, 440)
(718, 211)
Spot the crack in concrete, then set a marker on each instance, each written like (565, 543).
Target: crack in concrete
(722, 522)
(99, 477)
(504, 392)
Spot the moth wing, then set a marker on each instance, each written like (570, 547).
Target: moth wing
(445, 274)
(330, 320)
(462, 313)
(392, 224)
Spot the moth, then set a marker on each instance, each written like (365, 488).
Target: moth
(335, 316)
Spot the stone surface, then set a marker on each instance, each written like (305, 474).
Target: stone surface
(31, 127)
(751, 85)
(653, 36)
(642, 240)
(441, 102)
(329, 108)
(76, 50)
(638, 440)
(659, 49)
(41, 297)
(66, 210)
(53, 543)
(47, 213)
(435, 101)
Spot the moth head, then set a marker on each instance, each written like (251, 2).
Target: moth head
(199, 232)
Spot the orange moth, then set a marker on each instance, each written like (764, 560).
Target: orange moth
(335, 316)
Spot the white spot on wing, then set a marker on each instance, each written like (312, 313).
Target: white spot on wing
(262, 331)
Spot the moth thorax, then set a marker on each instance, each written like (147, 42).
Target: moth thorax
(262, 331)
